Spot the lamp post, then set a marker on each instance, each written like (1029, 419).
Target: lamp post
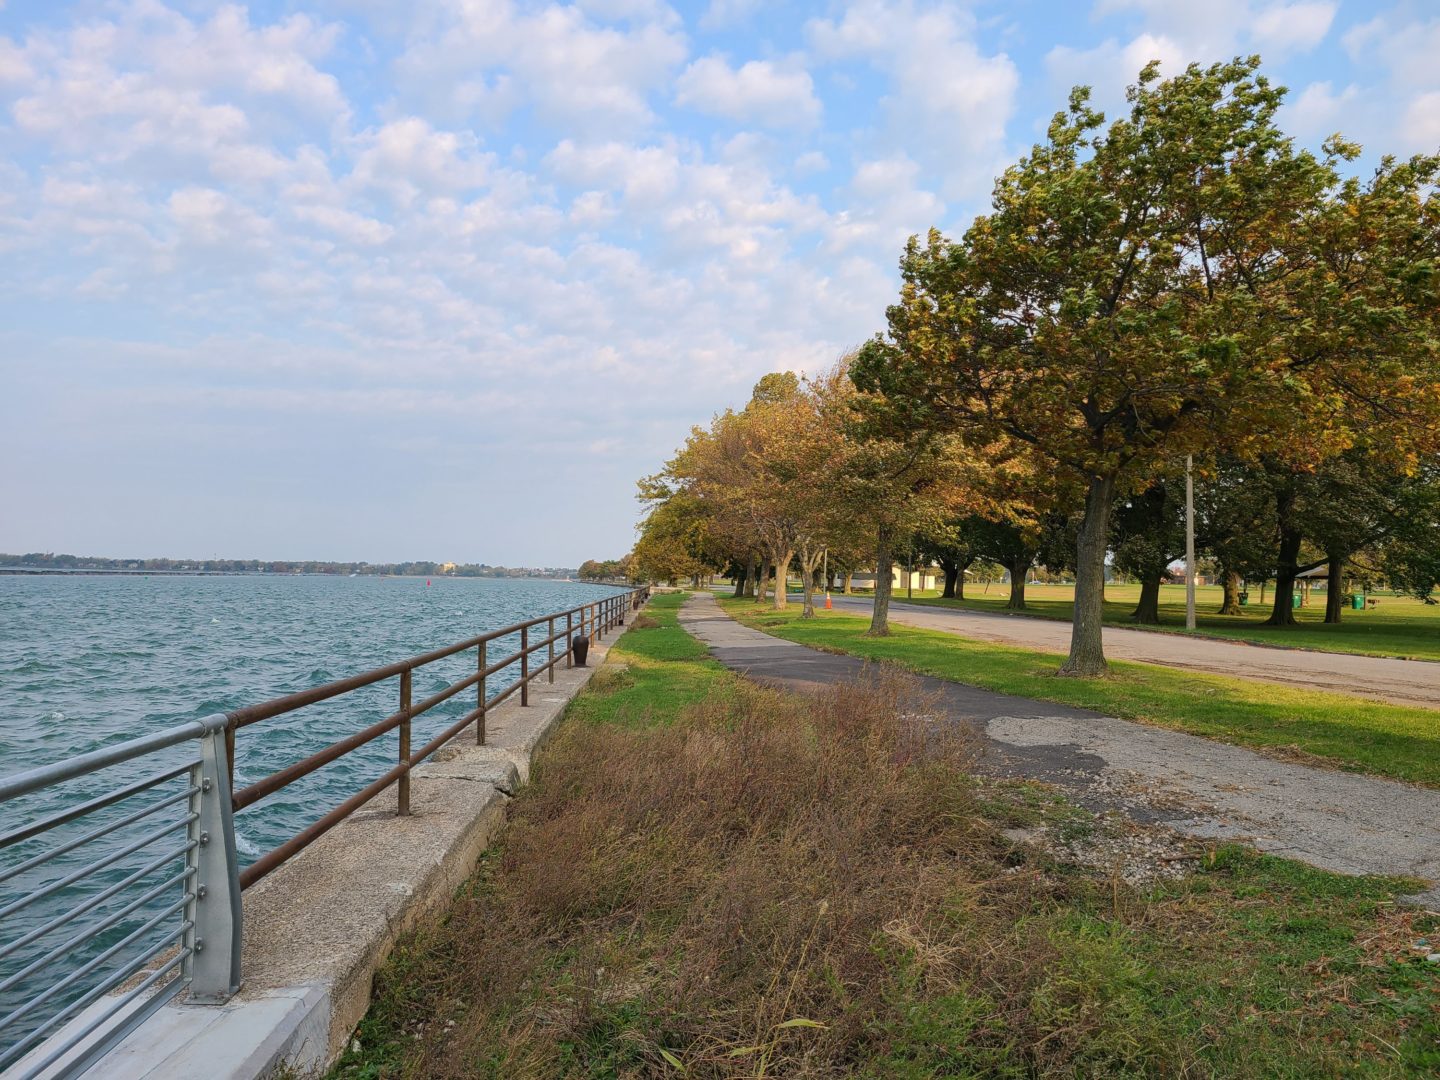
(1189, 544)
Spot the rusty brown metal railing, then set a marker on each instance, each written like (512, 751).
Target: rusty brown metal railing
(592, 620)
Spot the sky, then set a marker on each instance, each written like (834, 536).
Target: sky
(357, 279)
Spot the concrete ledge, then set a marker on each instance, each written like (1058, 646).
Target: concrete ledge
(318, 927)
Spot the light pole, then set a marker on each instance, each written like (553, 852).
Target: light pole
(1189, 544)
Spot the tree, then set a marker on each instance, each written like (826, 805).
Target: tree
(1147, 534)
(1129, 299)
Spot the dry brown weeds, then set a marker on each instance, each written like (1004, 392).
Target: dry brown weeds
(749, 892)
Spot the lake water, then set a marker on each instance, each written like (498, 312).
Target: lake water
(90, 661)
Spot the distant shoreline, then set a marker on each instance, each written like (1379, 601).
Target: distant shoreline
(58, 571)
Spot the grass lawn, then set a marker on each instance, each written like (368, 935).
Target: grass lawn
(1387, 740)
(665, 670)
(705, 879)
(1397, 626)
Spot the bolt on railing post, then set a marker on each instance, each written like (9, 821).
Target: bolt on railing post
(524, 666)
(404, 786)
(550, 668)
(480, 702)
(213, 968)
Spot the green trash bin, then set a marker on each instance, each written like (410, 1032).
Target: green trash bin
(1244, 599)
(1358, 601)
(1295, 600)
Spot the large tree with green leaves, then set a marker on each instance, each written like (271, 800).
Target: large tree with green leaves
(1140, 291)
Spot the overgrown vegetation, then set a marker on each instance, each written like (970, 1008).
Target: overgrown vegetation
(729, 882)
(1387, 740)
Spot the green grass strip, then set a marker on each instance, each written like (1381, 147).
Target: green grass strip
(1386, 740)
(665, 669)
(1398, 627)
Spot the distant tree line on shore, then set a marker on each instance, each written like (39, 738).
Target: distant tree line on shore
(606, 569)
(51, 561)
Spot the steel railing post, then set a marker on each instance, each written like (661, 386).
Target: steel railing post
(480, 702)
(404, 785)
(524, 666)
(215, 911)
(230, 753)
(569, 638)
(550, 668)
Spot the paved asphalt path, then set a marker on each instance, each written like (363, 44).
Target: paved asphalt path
(1339, 821)
(1405, 682)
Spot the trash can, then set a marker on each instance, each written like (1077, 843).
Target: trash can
(1358, 601)
(1244, 599)
(1295, 600)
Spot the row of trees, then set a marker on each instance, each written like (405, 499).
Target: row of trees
(1181, 282)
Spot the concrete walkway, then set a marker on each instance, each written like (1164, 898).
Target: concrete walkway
(1404, 682)
(1334, 820)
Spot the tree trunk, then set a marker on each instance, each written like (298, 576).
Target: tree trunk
(1334, 598)
(961, 567)
(884, 571)
(763, 589)
(952, 574)
(1087, 646)
(742, 578)
(811, 568)
(849, 583)
(1147, 612)
(782, 574)
(1230, 581)
(1019, 568)
(1286, 567)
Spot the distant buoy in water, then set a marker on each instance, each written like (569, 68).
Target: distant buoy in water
(427, 583)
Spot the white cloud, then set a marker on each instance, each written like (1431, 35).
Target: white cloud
(1177, 34)
(1318, 110)
(886, 207)
(1421, 124)
(14, 67)
(555, 57)
(720, 14)
(408, 157)
(1293, 26)
(644, 174)
(759, 91)
(1404, 101)
(950, 102)
(1110, 66)
(346, 224)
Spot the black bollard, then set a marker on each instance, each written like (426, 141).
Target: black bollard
(580, 648)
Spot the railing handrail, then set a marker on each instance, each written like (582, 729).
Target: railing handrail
(594, 618)
(57, 772)
(265, 710)
(208, 935)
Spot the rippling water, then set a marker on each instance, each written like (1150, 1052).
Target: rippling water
(89, 661)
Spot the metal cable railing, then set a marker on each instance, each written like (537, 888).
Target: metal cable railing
(154, 907)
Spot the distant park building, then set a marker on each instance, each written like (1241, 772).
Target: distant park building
(922, 577)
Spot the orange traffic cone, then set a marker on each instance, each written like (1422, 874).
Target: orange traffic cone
(827, 601)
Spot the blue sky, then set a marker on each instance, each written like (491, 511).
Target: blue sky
(355, 279)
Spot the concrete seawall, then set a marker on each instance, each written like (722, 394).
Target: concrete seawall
(318, 927)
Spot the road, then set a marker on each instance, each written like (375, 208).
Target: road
(1199, 787)
(1403, 682)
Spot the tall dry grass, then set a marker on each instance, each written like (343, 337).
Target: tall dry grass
(769, 887)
